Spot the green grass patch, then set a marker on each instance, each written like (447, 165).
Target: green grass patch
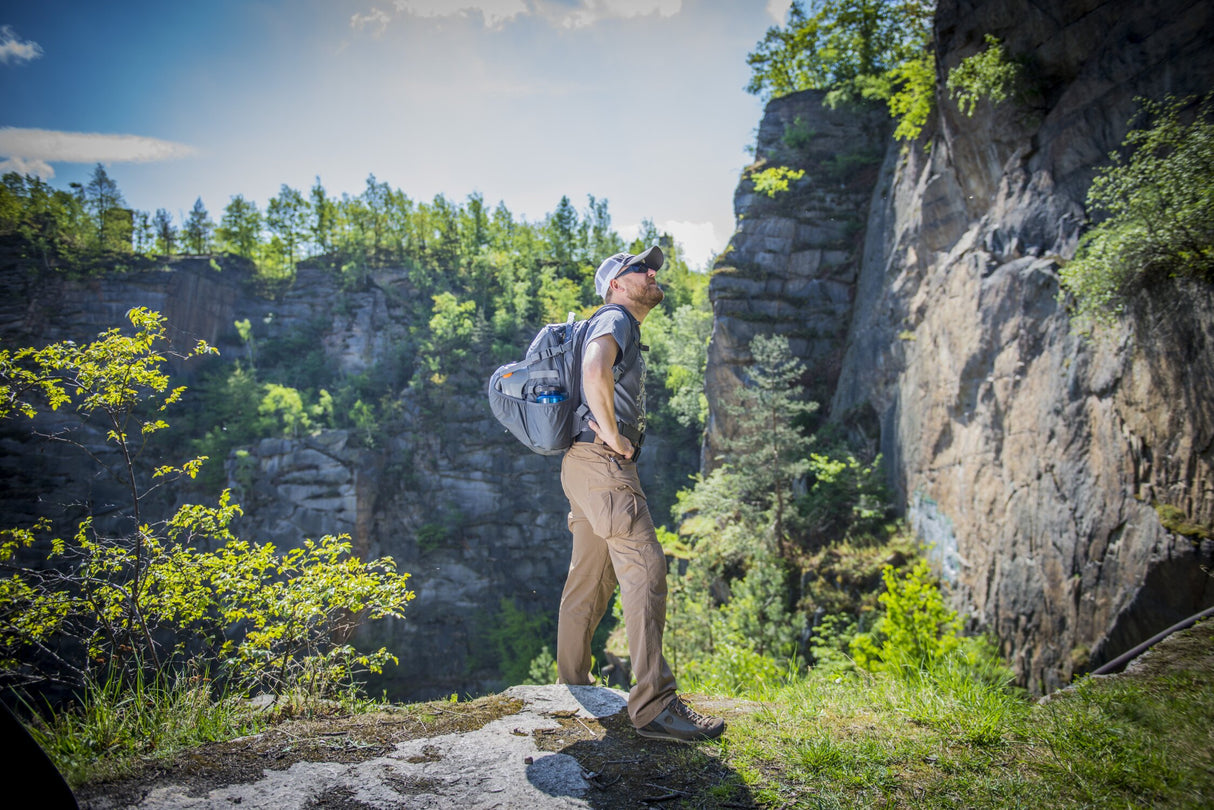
(116, 726)
(952, 738)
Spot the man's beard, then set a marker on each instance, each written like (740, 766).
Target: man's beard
(650, 295)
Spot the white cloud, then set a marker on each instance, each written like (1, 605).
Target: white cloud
(778, 9)
(589, 12)
(13, 49)
(378, 18)
(562, 14)
(494, 12)
(39, 147)
(33, 167)
(699, 241)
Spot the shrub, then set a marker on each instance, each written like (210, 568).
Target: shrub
(988, 74)
(916, 629)
(1157, 219)
(775, 180)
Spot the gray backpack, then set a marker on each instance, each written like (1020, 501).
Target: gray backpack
(539, 398)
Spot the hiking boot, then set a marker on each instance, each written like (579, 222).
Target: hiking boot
(678, 721)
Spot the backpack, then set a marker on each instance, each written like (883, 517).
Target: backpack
(539, 398)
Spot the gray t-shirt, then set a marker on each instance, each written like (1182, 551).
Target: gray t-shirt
(630, 384)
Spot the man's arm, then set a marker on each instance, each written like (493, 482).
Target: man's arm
(599, 383)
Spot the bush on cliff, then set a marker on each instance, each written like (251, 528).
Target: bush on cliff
(1155, 218)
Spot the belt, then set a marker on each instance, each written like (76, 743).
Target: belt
(633, 435)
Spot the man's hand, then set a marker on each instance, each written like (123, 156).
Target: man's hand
(619, 443)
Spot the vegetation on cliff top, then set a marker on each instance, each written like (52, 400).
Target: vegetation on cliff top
(1152, 210)
(855, 49)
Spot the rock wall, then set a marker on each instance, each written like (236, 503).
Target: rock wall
(792, 265)
(1028, 458)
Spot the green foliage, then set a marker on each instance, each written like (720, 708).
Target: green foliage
(514, 638)
(916, 630)
(856, 49)
(446, 347)
(543, 669)
(46, 225)
(197, 230)
(148, 599)
(912, 94)
(768, 446)
(1156, 221)
(239, 229)
(798, 135)
(775, 180)
(988, 74)
(678, 356)
(839, 46)
(846, 499)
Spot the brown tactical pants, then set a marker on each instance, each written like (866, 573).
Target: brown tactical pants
(613, 540)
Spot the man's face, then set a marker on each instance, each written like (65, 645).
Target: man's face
(640, 284)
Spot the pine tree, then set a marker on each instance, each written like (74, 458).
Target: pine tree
(768, 447)
(196, 233)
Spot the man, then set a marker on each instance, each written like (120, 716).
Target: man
(613, 533)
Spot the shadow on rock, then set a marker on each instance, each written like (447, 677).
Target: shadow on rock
(601, 760)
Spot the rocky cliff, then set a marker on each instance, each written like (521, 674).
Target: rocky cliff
(1028, 458)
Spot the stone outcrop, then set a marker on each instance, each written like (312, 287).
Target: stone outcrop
(791, 267)
(1029, 458)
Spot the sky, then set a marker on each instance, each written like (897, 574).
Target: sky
(640, 102)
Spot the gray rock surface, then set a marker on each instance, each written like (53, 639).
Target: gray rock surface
(496, 766)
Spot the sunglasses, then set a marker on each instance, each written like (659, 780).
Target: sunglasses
(636, 268)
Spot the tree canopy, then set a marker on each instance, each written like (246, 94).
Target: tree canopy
(854, 49)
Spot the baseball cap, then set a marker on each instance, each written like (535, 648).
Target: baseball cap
(614, 265)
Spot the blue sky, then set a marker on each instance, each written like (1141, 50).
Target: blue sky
(523, 101)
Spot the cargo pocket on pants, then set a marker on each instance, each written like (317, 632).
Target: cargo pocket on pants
(615, 512)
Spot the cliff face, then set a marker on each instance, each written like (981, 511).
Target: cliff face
(1028, 458)
(791, 268)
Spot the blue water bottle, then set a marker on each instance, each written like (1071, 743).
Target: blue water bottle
(549, 394)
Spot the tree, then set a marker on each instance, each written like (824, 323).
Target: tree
(239, 230)
(53, 224)
(874, 49)
(451, 326)
(561, 230)
(769, 445)
(287, 219)
(113, 222)
(145, 599)
(165, 232)
(324, 219)
(197, 230)
(144, 237)
(765, 455)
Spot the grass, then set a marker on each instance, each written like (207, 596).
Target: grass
(943, 740)
(115, 727)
